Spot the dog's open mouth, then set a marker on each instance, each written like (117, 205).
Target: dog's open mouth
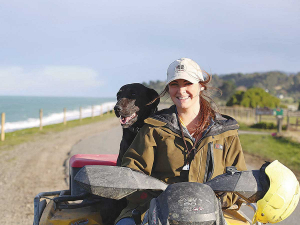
(126, 120)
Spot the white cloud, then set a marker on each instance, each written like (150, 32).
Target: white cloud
(49, 80)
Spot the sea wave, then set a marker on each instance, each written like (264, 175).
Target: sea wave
(58, 117)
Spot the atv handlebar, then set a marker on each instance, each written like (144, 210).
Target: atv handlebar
(250, 185)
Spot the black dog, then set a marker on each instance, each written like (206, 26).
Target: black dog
(132, 109)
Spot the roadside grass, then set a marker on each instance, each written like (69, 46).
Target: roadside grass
(271, 148)
(22, 136)
(246, 127)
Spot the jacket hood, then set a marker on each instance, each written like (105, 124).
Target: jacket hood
(168, 118)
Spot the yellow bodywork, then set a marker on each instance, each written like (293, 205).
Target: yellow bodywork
(84, 216)
(233, 217)
(90, 216)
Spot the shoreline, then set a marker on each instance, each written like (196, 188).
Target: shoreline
(57, 117)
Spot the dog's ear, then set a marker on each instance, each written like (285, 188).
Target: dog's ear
(152, 94)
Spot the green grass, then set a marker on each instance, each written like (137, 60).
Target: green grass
(22, 136)
(271, 148)
(246, 127)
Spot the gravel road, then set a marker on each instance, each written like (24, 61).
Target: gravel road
(38, 166)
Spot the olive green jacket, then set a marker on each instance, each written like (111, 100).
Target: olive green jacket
(159, 150)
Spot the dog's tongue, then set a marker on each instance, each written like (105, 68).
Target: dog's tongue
(124, 120)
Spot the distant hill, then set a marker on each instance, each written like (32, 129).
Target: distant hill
(275, 82)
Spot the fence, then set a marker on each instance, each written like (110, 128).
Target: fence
(295, 123)
(291, 119)
(243, 113)
(92, 115)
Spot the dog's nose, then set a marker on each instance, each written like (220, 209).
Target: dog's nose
(117, 108)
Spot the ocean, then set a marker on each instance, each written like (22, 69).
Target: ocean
(23, 111)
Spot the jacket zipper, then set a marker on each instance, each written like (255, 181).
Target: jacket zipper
(206, 131)
(210, 157)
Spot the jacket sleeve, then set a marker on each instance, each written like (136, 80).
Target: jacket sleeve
(140, 154)
(234, 157)
(140, 157)
(234, 153)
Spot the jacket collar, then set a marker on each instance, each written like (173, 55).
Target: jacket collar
(165, 118)
(168, 118)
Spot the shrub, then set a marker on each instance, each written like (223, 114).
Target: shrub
(264, 125)
(267, 126)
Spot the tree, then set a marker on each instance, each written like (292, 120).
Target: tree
(253, 97)
(228, 89)
(236, 98)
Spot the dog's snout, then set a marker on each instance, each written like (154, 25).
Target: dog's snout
(117, 108)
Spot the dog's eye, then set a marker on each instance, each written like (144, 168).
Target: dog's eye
(132, 93)
(118, 94)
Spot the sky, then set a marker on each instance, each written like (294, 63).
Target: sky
(91, 48)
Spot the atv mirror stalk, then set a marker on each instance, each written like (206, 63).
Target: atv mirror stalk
(136, 215)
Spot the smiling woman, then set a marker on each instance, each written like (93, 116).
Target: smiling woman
(186, 87)
(190, 141)
(185, 95)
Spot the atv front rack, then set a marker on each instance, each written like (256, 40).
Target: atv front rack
(61, 201)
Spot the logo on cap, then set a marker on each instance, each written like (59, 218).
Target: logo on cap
(180, 68)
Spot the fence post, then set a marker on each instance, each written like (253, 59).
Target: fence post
(80, 114)
(65, 116)
(260, 118)
(2, 126)
(288, 120)
(41, 119)
(92, 111)
(279, 124)
(256, 117)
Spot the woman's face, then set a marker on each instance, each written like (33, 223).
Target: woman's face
(185, 94)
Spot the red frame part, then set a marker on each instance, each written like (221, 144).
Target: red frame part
(81, 160)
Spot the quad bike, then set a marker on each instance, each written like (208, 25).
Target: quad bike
(97, 188)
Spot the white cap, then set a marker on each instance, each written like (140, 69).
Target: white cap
(186, 69)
